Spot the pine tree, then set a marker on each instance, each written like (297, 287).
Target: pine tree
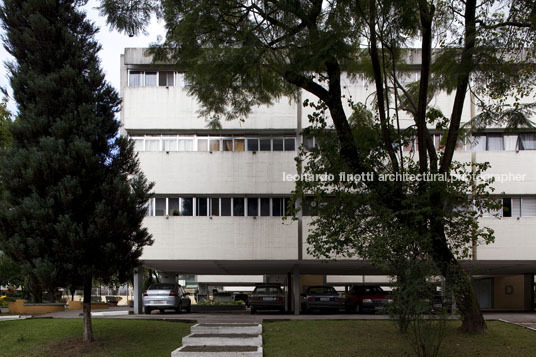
(75, 196)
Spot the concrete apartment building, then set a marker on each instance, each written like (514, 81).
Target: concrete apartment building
(220, 195)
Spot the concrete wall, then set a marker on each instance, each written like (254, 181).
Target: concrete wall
(220, 172)
(514, 239)
(213, 238)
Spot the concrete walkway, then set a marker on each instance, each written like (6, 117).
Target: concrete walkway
(246, 317)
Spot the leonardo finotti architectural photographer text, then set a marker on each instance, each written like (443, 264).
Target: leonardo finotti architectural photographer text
(428, 177)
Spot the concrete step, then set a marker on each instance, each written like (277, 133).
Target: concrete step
(218, 351)
(222, 339)
(227, 328)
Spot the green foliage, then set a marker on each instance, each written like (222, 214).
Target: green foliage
(10, 272)
(75, 195)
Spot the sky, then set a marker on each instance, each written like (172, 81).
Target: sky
(113, 45)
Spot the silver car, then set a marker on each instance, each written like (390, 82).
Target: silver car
(321, 298)
(166, 296)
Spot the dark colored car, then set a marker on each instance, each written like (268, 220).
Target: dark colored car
(267, 297)
(242, 297)
(166, 296)
(321, 298)
(366, 298)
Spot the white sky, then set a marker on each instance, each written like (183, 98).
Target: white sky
(113, 45)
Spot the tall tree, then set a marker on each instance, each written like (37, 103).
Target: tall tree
(75, 196)
(238, 54)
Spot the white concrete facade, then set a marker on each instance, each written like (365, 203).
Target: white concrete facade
(219, 245)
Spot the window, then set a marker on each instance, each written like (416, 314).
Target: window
(134, 79)
(139, 144)
(201, 206)
(152, 144)
(516, 207)
(165, 79)
(265, 144)
(238, 206)
(253, 206)
(214, 206)
(227, 144)
(225, 206)
(495, 142)
(479, 143)
(309, 142)
(187, 208)
(507, 207)
(160, 206)
(290, 144)
(527, 141)
(150, 79)
(174, 207)
(170, 144)
(510, 142)
(528, 207)
(202, 145)
(185, 144)
(253, 144)
(149, 211)
(239, 145)
(277, 144)
(214, 145)
(278, 207)
(265, 206)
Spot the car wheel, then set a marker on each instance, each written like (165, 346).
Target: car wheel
(348, 309)
(178, 309)
(358, 309)
(162, 311)
(189, 309)
(282, 310)
(253, 310)
(147, 310)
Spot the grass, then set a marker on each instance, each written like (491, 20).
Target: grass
(113, 337)
(381, 338)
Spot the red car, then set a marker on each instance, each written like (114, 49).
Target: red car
(366, 298)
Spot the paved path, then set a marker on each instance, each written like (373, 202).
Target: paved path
(246, 317)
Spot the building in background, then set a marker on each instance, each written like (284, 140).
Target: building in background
(220, 195)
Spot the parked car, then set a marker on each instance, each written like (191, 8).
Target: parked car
(321, 298)
(267, 297)
(166, 296)
(242, 297)
(366, 298)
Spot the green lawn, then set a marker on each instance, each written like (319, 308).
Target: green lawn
(381, 338)
(114, 337)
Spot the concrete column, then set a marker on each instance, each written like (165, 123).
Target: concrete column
(296, 288)
(138, 289)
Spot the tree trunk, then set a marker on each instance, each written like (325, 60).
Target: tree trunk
(458, 280)
(88, 329)
(36, 291)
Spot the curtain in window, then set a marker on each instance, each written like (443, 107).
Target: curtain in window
(152, 145)
(510, 142)
(528, 207)
(170, 145)
(239, 145)
(495, 142)
(180, 80)
(138, 144)
(227, 144)
(214, 145)
(516, 207)
(134, 79)
(165, 79)
(479, 143)
(150, 79)
(527, 141)
(185, 145)
(202, 145)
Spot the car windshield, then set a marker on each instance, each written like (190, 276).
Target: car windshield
(161, 286)
(267, 290)
(321, 290)
(372, 289)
